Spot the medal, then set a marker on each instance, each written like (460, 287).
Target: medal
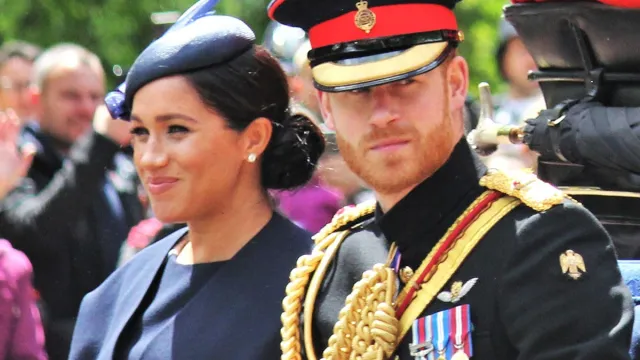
(445, 335)
(460, 355)
(442, 334)
(461, 332)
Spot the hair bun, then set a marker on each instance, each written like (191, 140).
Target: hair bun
(292, 155)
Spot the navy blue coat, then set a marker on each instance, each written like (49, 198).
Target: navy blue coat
(235, 315)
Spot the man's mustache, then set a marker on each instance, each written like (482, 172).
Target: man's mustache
(377, 135)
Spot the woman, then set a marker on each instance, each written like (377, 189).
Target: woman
(212, 134)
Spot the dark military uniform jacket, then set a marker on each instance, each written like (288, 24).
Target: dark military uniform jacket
(522, 305)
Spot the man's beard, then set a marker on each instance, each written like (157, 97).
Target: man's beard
(396, 173)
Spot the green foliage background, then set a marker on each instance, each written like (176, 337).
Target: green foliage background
(117, 30)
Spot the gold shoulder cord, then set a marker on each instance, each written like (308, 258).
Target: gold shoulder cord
(367, 327)
(327, 242)
(526, 186)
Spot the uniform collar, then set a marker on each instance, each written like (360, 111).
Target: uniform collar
(421, 218)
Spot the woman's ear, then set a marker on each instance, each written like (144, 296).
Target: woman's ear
(256, 137)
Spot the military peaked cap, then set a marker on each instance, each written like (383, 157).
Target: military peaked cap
(357, 44)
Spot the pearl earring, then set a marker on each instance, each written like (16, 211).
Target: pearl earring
(251, 158)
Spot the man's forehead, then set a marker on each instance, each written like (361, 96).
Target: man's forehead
(82, 78)
(71, 71)
(16, 65)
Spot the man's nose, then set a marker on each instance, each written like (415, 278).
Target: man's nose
(383, 111)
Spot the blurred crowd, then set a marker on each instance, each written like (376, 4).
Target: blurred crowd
(68, 186)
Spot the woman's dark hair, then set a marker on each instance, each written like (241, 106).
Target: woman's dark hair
(253, 85)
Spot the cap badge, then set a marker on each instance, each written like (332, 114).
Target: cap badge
(365, 18)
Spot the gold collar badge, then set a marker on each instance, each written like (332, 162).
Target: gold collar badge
(572, 264)
(365, 18)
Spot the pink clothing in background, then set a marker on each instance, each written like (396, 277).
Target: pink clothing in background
(21, 333)
(310, 207)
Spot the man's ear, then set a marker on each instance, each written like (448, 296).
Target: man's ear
(35, 97)
(458, 81)
(325, 109)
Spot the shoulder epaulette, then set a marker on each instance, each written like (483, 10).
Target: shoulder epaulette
(525, 186)
(346, 218)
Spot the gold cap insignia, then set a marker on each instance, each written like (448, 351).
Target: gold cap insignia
(572, 264)
(365, 18)
(458, 291)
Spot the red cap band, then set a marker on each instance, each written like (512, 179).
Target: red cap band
(620, 3)
(390, 20)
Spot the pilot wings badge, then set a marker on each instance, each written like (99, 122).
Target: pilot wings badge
(572, 264)
(458, 291)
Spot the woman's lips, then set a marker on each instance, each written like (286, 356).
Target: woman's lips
(159, 185)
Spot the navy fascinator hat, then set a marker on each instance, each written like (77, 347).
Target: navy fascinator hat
(199, 39)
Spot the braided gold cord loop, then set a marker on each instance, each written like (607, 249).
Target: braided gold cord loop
(367, 328)
(299, 277)
(292, 303)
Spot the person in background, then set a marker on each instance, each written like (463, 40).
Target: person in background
(283, 42)
(21, 333)
(72, 211)
(16, 70)
(212, 133)
(333, 172)
(314, 204)
(522, 100)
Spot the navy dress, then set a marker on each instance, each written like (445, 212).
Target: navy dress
(155, 308)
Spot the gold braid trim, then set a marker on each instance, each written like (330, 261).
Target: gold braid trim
(367, 327)
(525, 186)
(300, 275)
(347, 215)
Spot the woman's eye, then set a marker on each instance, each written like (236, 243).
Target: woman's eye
(407, 81)
(139, 131)
(177, 129)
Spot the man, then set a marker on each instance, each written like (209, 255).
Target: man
(16, 67)
(523, 97)
(491, 265)
(72, 212)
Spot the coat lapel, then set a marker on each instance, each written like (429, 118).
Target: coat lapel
(243, 300)
(135, 287)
